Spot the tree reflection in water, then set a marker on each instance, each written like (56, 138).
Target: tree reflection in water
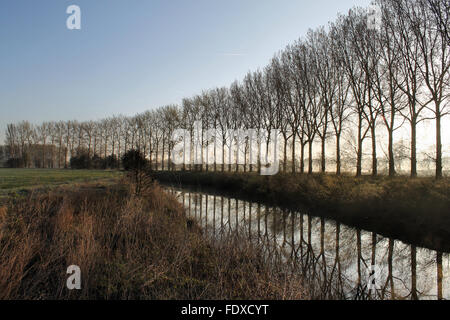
(335, 259)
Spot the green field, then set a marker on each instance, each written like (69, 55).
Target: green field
(17, 180)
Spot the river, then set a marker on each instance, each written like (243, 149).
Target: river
(337, 261)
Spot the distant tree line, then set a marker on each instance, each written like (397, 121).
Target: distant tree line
(346, 76)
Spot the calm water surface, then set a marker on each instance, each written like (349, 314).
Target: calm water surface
(338, 261)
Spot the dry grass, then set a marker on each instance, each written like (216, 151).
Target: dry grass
(128, 247)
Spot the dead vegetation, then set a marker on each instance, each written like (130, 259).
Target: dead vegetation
(128, 246)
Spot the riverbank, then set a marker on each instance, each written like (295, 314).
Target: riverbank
(416, 211)
(127, 246)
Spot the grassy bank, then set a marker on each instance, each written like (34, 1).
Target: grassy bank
(416, 211)
(128, 247)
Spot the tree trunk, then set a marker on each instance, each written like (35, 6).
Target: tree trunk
(106, 148)
(413, 149)
(338, 154)
(439, 275)
(414, 273)
(391, 153)
(285, 154)
(310, 163)
(390, 267)
(438, 144)
(374, 151)
(65, 157)
(163, 147)
(323, 160)
(156, 155)
(223, 154)
(215, 149)
(293, 153)
(302, 158)
(43, 155)
(245, 155)
(359, 152)
(169, 160)
(59, 154)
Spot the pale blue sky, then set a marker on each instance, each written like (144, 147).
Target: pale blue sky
(131, 56)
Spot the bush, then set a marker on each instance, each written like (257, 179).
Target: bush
(15, 163)
(98, 162)
(133, 160)
(111, 162)
(82, 160)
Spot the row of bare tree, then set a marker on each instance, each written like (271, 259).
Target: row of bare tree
(347, 76)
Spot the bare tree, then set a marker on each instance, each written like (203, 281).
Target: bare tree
(435, 55)
(171, 119)
(410, 81)
(339, 112)
(324, 69)
(350, 33)
(43, 132)
(279, 89)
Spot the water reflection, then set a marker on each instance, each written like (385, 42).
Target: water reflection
(336, 259)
